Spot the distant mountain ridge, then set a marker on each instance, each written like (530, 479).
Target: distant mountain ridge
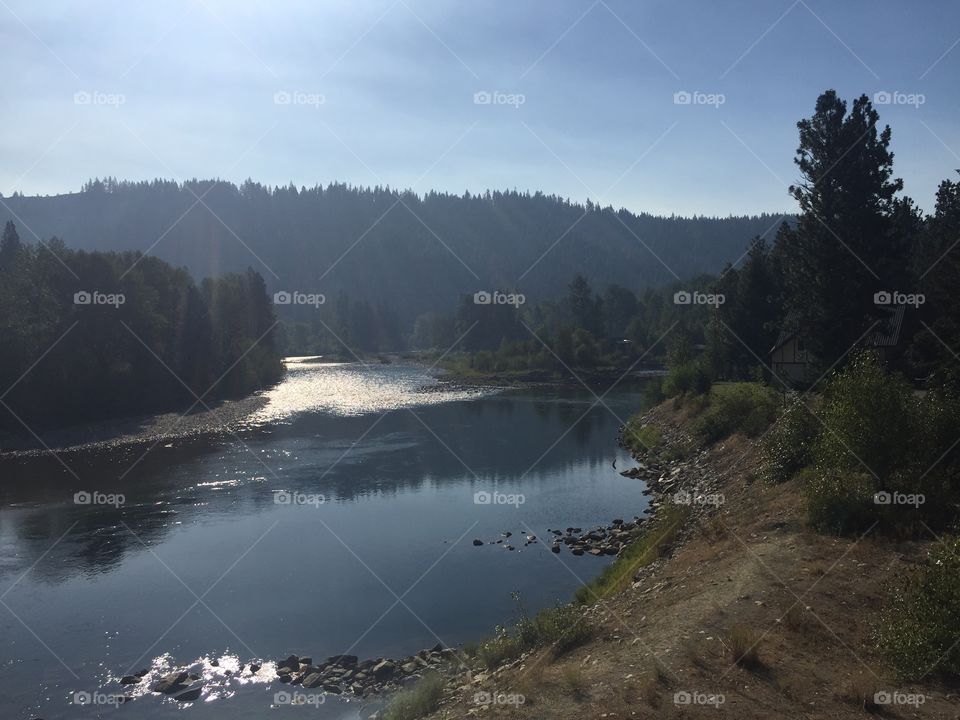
(415, 253)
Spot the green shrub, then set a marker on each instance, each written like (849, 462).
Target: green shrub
(876, 430)
(641, 439)
(688, 378)
(748, 408)
(420, 700)
(483, 361)
(563, 627)
(920, 627)
(839, 502)
(867, 419)
(788, 447)
(653, 393)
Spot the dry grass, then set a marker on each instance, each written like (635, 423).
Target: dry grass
(743, 644)
(860, 693)
(797, 619)
(575, 682)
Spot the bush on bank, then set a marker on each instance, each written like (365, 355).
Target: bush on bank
(883, 454)
(920, 626)
(747, 408)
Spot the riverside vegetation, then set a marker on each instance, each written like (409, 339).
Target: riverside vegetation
(743, 585)
(811, 570)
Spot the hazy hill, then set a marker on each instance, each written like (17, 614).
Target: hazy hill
(417, 253)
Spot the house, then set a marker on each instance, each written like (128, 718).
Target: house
(792, 362)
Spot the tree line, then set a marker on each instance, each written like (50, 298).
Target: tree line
(833, 274)
(413, 253)
(92, 335)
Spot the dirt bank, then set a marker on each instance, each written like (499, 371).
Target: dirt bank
(745, 570)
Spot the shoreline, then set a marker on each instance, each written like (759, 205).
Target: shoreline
(376, 681)
(543, 378)
(223, 417)
(230, 416)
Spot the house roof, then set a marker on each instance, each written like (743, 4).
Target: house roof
(886, 333)
(782, 339)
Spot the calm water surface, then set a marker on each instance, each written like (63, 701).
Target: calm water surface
(341, 519)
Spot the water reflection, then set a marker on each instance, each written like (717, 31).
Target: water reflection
(398, 487)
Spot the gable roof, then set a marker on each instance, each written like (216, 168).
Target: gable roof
(885, 334)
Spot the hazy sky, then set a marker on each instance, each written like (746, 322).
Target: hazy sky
(582, 95)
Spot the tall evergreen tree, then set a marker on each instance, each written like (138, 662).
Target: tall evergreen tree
(935, 351)
(844, 247)
(9, 245)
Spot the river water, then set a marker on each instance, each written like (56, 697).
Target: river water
(339, 519)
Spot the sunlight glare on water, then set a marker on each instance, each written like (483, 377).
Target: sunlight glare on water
(351, 389)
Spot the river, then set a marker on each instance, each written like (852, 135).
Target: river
(339, 519)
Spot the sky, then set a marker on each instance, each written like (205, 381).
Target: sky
(668, 107)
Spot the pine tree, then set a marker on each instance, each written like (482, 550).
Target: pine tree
(9, 245)
(844, 247)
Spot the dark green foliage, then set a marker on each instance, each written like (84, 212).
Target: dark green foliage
(689, 378)
(839, 501)
(867, 415)
(653, 393)
(744, 328)
(878, 437)
(165, 343)
(788, 447)
(920, 627)
(747, 408)
(846, 245)
(939, 265)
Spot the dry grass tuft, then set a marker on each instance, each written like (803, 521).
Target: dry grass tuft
(743, 643)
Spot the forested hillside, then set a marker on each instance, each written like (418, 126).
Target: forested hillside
(87, 336)
(410, 253)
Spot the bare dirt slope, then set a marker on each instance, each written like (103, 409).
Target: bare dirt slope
(749, 571)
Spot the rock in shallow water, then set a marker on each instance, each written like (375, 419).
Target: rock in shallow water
(190, 694)
(170, 683)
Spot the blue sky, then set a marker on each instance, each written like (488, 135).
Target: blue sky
(582, 95)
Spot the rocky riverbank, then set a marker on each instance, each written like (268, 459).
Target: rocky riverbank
(348, 676)
(222, 418)
(687, 480)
